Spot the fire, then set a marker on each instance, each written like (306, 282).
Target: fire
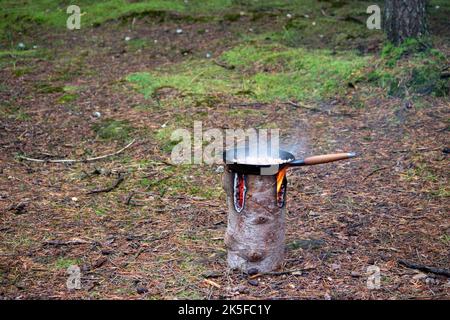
(280, 177)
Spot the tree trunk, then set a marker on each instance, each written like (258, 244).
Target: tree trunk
(255, 237)
(405, 19)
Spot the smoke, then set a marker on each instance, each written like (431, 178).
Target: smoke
(295, 140)
(263, 146)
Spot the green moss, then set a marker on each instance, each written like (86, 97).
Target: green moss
(19, 72)
(67, 98)
(163, 137)
(410, 69)
(392, 53)
(64, 263)
(269, 72)
(46, 87)
(12, 111)
(111, 129)
(139, 44)
(20, 16)
(18, 53)
(179, 180)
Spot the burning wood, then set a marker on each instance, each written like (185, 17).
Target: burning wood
(256, 205)
(280, 177)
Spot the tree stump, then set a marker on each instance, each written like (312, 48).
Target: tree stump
(255, 237)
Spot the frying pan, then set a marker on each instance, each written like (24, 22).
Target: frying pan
(230, 156)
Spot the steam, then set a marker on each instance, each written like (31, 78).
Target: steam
(263, 146)
(296, 140)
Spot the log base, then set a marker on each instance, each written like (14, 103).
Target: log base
(255, 237)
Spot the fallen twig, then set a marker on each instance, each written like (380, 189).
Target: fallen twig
(159, 181)
(250, 104)
(129, 197)
(301, 105)
(297, 272)
(118, 181)
(373, 172)
(314, 109)
(422, 149)
(421, 267)
(58, 243)
(79, 160)
(223, 65)
(212, 283)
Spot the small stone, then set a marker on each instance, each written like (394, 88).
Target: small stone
(355, 274)
(241, 289)
(220, 169)
(420, 276)
(252, 271)
(141, 289)
(335, 266)
(253, 282)
(106, 252)
(313, 213)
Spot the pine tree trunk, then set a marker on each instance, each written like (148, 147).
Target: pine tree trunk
(255, 237)
(405, 19)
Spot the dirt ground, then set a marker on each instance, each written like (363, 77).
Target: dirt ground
(134, 242)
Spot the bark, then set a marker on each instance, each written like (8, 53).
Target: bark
(405, 19)
(255, 237)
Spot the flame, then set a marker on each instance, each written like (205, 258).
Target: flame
(280, 177)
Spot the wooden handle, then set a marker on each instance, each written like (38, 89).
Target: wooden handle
(328, 158)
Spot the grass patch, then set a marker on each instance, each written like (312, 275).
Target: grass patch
(46, 87)
(139, 44)
(182, 180)
(110, 129)
(64, 263)
(413, 68)
(268, 72)
(19, 17)
(11, 111)
(67, 98)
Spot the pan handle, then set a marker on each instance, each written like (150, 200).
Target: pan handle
(322, 159)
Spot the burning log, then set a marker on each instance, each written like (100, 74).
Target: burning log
(256, 198)
(255, 235)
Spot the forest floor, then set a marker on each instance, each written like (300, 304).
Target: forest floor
(159, 233)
